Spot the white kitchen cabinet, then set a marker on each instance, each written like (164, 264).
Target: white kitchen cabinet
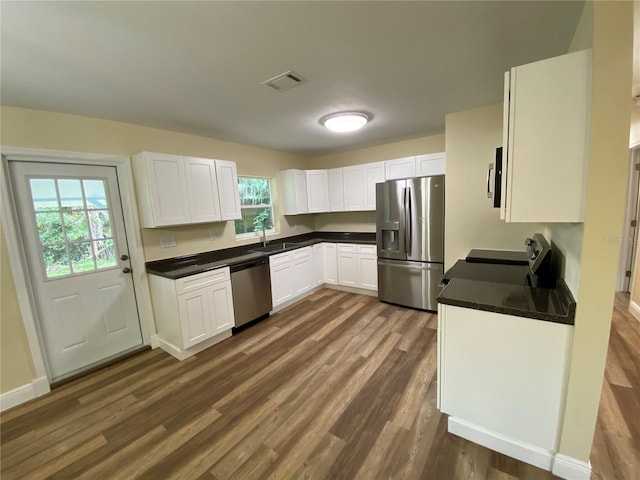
(293, 188)
(202, 189)
(330, 263)
(347, 265)
(192, 311)
(303, 270)
(357, 266)
(546, 132)
(228, 191)
(178, 190)
(317, 191)
(318, 264)
(336, 190)
(367, 267)
(353, 187)
(161, 186)
(508, 397)
(373, 173)
(281, 268)
(400, 168)
(431, 164)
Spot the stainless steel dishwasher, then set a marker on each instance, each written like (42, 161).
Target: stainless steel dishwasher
(251, 285)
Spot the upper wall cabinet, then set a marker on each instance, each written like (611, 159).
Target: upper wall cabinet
(431, 164)
(177, 190)
(373, 173)
(353, 183)
(400, 168)
(546, 133)
(336, 190)
(228, 190)
(293, 188)
(317, 191)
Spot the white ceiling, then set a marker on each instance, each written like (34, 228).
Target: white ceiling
(196, 67)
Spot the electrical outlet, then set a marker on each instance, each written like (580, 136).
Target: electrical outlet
(168, 242)
(212, 235)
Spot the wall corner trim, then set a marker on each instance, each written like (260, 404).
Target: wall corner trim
(24, 393)
(570, 468)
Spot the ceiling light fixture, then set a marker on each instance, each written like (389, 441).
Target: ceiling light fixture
(345, 121)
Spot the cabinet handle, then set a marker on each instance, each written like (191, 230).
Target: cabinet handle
(489, 192)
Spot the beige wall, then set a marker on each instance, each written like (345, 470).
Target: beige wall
(16, 367)
(470, 221)
(49, 130)
(366, 221)
(606, 187)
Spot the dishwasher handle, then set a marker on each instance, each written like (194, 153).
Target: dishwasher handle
(256, 262)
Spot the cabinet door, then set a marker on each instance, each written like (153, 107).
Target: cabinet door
(281, 280)
(347, 265)
(202, 186)
(195, 316)
(374, 173)
(317, 190)
(432, 164)
(303, 273)
(353, 188)
(228, 192)
(368, 272)
(548, 131)
(221, 307)
(168, 189)
(330, 263)
(400, 168)
(293, 190)
(318, 263)
(336, 190)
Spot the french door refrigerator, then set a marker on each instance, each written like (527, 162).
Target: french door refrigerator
(410, 240)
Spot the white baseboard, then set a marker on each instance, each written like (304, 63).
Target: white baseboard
(181, 354)
(22, 394)
(634, 309)
(511, 447)
(570, 468)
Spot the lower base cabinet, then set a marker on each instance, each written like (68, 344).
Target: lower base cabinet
(292, 274)
(501, 378)
(357, 266)
(192, 310)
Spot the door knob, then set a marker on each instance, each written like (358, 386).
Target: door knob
(126, 270)
(124, 256)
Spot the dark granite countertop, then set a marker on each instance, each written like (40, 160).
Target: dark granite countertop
(505, 289)
(184, 266)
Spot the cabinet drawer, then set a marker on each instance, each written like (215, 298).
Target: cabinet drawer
(279, 259)
(302, 253)
(367, 249)
(201, 280)
(347, 248)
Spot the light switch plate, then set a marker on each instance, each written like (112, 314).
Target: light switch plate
(168, 242)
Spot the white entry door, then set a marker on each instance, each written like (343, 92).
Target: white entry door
(74, 236)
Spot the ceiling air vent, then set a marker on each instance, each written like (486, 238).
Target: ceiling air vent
(284, 81)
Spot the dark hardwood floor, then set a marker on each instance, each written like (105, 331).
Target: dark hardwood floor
(337, 386)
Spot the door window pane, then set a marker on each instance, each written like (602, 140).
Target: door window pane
(50, 228)
(70, 194)
(56, 260)
(99, 223)
(82, 257)
(76, 225)
(105, 253)
(44, 195)
(95, 194)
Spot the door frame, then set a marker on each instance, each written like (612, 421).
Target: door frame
(627, 248)
(18, 259)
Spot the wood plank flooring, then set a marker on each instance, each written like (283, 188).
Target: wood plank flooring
(337, 386)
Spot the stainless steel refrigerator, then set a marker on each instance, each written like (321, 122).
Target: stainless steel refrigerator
(410, 238)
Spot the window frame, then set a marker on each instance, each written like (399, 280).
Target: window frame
(270, 231)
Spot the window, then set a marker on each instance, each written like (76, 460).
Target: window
(255, 205)
(74, 225)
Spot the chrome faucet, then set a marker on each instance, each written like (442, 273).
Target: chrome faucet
(264, 233)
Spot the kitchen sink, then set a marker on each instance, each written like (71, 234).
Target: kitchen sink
(275, 247)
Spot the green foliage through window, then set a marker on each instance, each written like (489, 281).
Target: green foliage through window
(255, 205)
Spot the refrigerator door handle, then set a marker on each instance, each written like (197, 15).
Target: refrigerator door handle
(408, 226)
(434, 266)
